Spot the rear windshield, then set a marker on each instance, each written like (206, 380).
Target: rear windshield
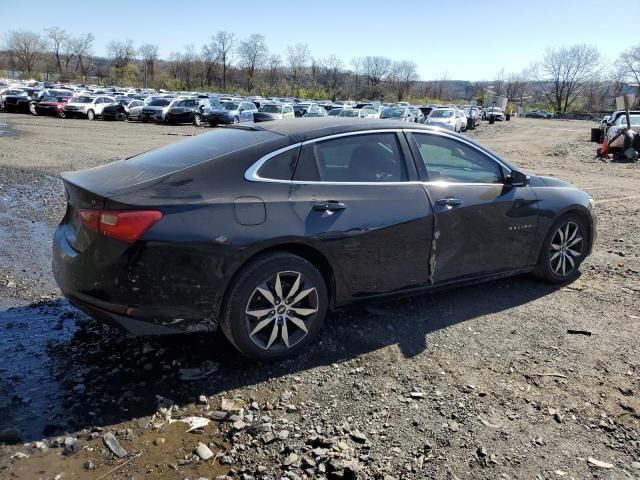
(442, 114)
(160, 102)
(199, 149)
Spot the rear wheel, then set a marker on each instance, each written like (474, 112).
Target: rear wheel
(563, 250)
(91, 115)
(275, 308)
(32, 108)
(236, 120)
(197, 120)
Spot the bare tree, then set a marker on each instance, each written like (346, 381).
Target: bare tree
(629, 63)
(56, 38)
(25, 49)
(332, 67)
(515, 87)
(274, 70)
(149, 54)
(210, 60)
(253, 53)
(222, 44)
(297, 60)
(441, 87)
(403, 75)
(568, 70)
(377, 69)
(82, 46)
(356, 63)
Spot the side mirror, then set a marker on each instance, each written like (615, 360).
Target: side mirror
(517, 179)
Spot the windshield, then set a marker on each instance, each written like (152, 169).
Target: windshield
(442, 114)
(82, 100)
(229, 106)
(270, 109)
(635, 120)
(335, 112)
(160, 102)
(348, 113)
(393, 112)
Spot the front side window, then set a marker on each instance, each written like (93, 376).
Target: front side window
(355, 158)
(448, 160)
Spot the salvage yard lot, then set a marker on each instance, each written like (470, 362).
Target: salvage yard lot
(477, 382)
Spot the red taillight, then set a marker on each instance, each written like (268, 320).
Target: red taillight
(125, 225)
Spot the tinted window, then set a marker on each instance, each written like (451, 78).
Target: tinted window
(355, 158)
(281, 166)
(448, 160)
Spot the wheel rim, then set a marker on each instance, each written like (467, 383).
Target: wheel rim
(90, 115)
(565, 249)
(280, 310)
(32, 108)
(196, 120)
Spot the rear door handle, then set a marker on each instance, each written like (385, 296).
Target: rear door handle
(449, 202)
(331, 205)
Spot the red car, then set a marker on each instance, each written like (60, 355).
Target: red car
(52, 102)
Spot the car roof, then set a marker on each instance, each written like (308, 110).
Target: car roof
(302, 129)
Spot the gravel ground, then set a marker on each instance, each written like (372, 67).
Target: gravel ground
(478, 382)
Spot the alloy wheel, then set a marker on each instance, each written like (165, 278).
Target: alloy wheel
(279, 311)
(32, 109)
(565, 249)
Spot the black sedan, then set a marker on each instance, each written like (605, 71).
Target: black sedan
(21, 102)
(260, 230)
(185, 111)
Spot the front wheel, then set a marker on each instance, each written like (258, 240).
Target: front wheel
(91, 115)
(61, 114)
(563, 250)
(236, 120)
(276, 307)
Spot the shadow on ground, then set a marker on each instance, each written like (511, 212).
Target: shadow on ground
(62, 372)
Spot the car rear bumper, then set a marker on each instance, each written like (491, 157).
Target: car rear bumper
(186, 117)
(145, 290)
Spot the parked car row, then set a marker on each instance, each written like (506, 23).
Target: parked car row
(199, 109)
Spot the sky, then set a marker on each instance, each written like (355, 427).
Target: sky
(466, 40)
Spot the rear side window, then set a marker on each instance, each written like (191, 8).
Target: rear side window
(355, 158)
(280, 167)
(199, 149)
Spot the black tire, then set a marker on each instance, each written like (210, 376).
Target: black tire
(91, 115)
(61, 114)
(548, 268)
(236, 120)
(238, 326)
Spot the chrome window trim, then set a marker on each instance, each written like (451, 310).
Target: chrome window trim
(251, 174)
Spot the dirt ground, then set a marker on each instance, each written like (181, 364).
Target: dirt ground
(479, 382)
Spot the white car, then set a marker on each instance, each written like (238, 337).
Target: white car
(497, 113)
(449, 118)
(87, 106)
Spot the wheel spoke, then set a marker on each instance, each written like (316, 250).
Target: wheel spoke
(261, 325)
(302, 295)
(574, 241)
(268, 295)
(573, 235)
(553, 257)
(558, 265)
(304, 311)
(274, 335)
(570, 260)
(564, 265)
(574, 252)
(285, 334)
(278, 287)
(555, 246)
(294, 287)
(298, 322)
(259, 313)
(566, 231)
(561, 235)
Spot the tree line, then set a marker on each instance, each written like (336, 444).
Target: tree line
(565, 78)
